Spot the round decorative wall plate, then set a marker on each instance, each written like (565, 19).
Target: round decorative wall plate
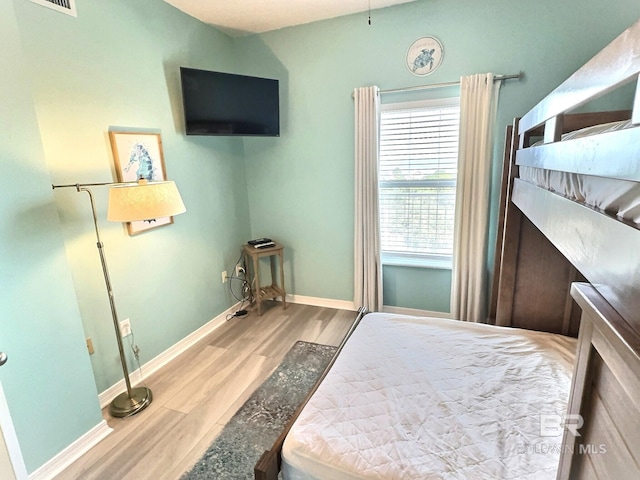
(424, 56)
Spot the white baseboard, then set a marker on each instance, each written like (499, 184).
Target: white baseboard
(322, 302)
(74, 451)
(415, 312)
(172, 352)
(347, 305)
(165, 357)
(70, 454)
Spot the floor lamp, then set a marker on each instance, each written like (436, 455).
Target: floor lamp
(129, 202)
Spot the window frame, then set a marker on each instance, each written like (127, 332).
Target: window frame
(418, 260)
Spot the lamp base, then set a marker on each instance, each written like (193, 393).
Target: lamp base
(124, 405)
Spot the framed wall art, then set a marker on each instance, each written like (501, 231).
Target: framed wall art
(139, 155)
(424, 56)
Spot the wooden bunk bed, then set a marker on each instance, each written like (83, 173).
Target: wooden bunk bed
(571, 258)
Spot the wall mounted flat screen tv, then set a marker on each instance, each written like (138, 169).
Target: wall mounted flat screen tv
(217, 103)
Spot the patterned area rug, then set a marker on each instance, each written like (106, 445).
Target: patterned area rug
(259, 422)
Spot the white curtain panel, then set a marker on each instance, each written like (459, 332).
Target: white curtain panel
(478, 106)
(368, 267)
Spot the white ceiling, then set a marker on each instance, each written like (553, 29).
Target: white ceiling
(242, 17)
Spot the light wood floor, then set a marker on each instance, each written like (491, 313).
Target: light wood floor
(196, 394)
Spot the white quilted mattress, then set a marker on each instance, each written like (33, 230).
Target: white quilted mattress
(418, 398)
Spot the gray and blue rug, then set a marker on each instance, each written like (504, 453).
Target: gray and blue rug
(259, 422)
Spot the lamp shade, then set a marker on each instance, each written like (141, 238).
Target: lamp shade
(144, 201)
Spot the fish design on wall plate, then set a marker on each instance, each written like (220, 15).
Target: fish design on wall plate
(424, 56)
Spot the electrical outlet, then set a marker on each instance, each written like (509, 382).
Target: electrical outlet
(125, 327)
(224, 277)
(239, 270)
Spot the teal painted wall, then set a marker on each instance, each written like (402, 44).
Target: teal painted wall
(67, 81)
(417, 288)
(115, 66)
(119, 69)
(301, 189)
(48, 380)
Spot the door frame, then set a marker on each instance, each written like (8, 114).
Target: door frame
(11, 439)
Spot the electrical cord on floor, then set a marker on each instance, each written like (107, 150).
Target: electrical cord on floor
(244, 299)
(136, 354)
(245, 296)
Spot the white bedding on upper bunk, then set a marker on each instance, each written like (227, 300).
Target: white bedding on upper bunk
(432, 398)
(592, 130)
(597, 129)
(620, 198)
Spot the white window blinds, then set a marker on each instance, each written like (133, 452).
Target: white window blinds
(417, 178)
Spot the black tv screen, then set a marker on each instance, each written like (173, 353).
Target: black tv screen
(217, 103)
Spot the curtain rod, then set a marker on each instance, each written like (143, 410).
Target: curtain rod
(497, 78)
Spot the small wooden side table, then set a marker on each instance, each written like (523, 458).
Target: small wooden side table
(274, 290)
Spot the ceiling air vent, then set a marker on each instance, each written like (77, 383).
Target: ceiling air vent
(64, 6)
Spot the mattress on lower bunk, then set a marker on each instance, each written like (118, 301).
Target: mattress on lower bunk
(421, 398)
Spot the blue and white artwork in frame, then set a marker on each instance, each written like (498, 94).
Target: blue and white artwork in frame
(424, 56)
(139, 155)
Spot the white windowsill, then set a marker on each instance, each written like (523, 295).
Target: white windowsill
(415, 261)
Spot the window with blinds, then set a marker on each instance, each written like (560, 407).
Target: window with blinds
(417, 181)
